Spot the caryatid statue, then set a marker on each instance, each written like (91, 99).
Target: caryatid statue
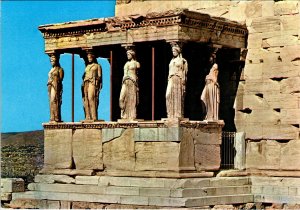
(175, 93)
(55, 88)
(211, 94)
(91, 86)
(129, 96)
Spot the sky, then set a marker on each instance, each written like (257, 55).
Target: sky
(25, 66)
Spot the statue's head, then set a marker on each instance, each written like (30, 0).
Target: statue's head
(176, 49)
(90, 57)
(54, 59)
(130, 54)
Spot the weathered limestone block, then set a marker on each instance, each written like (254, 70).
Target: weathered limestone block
(271, 86)
(5, 196)
(65, 204)
(254, 102)
(275, 181)
(9, 185)
(264, 154)
(58, 148)
(157, 156)
(87, 149)
(280, 132)
(290, 22)
(252, 130)
(157, 134)
(240, 148)
(260, 56)
(286, 8)
(88, 180)
(280, 69)
(254, 41)
(290, 85)
(69, 188)
(253, 71)
(283, 101)
(187, 157)
(236, 12)
(204, 135)
(207, 157)
(265, 24)
(217, 11)
(253, 9)
(262, 116)
(290, 155)
(112, 133)
(267, 8)
(119, 153)
(290, 116)
(262, 86)
(54, 179)
(253, 86)
(282, 40)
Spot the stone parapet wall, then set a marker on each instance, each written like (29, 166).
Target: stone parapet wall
(156, 149)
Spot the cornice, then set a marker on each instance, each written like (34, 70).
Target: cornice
(117, 24)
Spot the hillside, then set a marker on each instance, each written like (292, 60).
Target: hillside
(22, 154)
(22, 138)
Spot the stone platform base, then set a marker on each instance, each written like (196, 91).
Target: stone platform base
(62, 191)
(159, 192)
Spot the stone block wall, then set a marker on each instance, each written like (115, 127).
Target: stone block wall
(267, 105)
(133, 149)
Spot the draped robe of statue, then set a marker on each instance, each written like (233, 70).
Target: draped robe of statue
(129, 96)
(211, 94)
(92, 84)
(175, 93)
(55, 89)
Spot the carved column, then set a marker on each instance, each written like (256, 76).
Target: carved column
(91, 86)
(55, 87)
(177, 78)
(129, 95)
(210, 96)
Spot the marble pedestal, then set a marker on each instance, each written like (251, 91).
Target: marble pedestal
(147, 148)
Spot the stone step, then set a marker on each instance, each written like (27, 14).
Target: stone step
(275, 181)
(219, 200)
(276, 190)
(111, 199)
(277, 199)
(136, 200)
(139, 191)
(146, 182)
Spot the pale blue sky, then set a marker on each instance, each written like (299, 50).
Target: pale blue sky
(25, 66)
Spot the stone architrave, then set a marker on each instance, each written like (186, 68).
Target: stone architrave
(129, 96)
(175, 93)
(55, 88)
(87, 149)
(91, 86)
(211, 94)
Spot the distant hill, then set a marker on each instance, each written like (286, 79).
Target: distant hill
(22, 138)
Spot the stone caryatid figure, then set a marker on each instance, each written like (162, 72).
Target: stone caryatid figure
(129, 96)
(55, 88)
(91, 86)
(175, 93)
(211, 94)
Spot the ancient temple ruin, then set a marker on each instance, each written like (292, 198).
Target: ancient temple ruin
(156, 161)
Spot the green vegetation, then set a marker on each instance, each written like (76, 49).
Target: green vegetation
(22, 161)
